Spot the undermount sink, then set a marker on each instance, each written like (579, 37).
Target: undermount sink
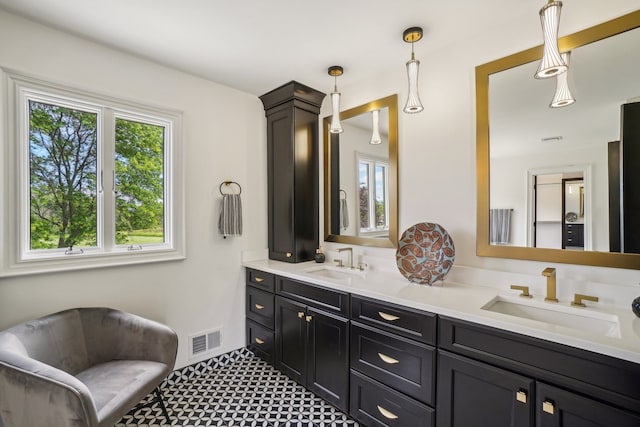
(554, 314)
(339, 274)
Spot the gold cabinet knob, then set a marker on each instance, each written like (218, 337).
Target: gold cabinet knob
(300, 314)
(388, 359)
(548, 407)
(289, 254)
(308, 319)
(387, 316)
(386, 413)
(521, 396)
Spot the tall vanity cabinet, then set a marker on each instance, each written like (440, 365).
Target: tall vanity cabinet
(292, 164)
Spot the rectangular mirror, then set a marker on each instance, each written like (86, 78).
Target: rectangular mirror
(527, 152)
(361, 175)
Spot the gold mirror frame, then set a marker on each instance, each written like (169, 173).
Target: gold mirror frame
(390, 102)
(483, 248)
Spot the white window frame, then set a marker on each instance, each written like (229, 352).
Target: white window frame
(373, 162)
(16, 257)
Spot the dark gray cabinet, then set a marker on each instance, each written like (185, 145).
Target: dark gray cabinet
(312, 340)
(390, 365)
(507, 379)
(393, 364)
(260, 306)
(292, 170)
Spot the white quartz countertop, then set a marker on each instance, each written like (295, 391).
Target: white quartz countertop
(465, 301)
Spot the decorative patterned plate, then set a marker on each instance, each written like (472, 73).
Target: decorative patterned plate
(425, 253)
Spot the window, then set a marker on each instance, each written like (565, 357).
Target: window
(92, 179)
(373, 206)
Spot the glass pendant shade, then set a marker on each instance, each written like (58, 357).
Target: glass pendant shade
(413, 104)
(335, 127)
(375, 121)
(563, 96)
(551, 63)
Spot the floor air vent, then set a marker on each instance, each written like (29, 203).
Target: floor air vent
(204, 342)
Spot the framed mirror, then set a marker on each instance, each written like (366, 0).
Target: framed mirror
(528, 153)
(361, 175)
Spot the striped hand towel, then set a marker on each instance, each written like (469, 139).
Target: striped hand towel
(230, 221)
(500, 225)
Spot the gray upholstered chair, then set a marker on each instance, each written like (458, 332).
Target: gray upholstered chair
(81, 367)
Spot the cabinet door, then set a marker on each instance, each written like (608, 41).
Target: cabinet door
(559, 408)
(291, 339)
(475, 394)
(328, 357)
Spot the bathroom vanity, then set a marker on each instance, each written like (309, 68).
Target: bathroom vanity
(393, 353)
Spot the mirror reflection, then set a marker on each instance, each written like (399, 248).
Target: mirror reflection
(546, 176)
(361, 176)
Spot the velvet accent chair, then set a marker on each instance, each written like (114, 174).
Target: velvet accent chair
(83, 367)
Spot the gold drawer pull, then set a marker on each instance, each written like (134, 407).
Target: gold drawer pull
(259, 341)
(300, 314)
(548, 407)
(387, 316)
(387, 359)
(259, 306)
(521, 396)
(387, 414)
(259, 279)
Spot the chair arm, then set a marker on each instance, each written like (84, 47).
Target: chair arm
(35, 394)
(137, 338)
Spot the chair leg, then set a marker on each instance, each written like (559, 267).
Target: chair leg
(164, 408)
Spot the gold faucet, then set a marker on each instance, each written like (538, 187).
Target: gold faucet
(550, 274)
(350, 253)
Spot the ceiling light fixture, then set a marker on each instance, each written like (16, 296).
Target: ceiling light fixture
(335, 126)
(375, 135)
(551, 63)
(413, 105)
(563, 96)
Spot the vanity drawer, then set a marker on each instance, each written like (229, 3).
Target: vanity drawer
(260, 341)
(410, 323)
(375, 404)
(327, 299)
(260, 306)
(260, 279)
(405, 365)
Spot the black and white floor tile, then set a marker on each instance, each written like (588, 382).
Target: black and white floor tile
(236, 389)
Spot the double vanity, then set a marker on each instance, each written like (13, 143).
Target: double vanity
(393, 353)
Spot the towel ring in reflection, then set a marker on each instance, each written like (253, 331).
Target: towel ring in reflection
(345, 194)
(228, 185)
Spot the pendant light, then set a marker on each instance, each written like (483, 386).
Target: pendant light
(563, 96)
(335, 126)
(375, 121)
(413, 105)
(551, 63)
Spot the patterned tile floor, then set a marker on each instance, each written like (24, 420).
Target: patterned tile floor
(235, 390)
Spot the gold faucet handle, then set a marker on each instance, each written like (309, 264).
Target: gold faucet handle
(524, 289)
(578, 298)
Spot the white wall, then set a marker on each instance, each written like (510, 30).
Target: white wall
(437, 169)
(224, 138)
(224, 133)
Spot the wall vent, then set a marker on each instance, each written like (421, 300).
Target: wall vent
(204, 342)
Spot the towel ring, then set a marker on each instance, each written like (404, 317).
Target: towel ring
(228, 184)
(345, 194)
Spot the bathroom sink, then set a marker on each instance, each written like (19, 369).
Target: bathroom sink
(580, 319)
(337, 274)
